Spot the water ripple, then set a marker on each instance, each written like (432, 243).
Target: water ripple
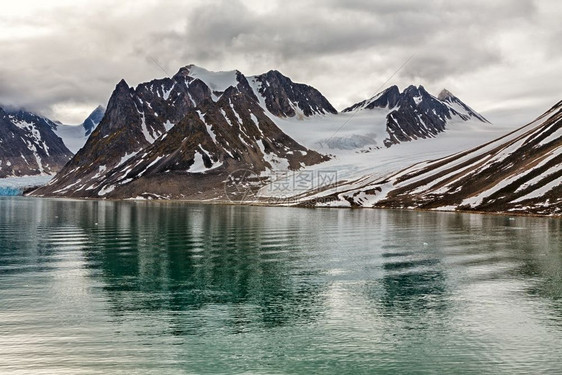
(175, 288)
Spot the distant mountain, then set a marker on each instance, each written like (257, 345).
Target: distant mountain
(93, 120)
(29, 146)
(457, 105)
(75, 136)
(180, 137)
(517, 173)
(416, 114)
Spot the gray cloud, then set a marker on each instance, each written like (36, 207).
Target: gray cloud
(492, 54)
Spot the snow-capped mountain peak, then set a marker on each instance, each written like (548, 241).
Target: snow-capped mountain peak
(459, 106)
(176, 129)
(387, 98)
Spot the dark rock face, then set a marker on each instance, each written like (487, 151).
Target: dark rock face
(28, 145)
(420, 115)
(282, 96)
(415, 114)
(175, 136)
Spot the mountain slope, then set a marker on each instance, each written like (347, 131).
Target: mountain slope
(28, 145)
(517, 173)
(194, 123)
(459, 106)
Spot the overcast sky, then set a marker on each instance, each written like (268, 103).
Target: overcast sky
(62, 58)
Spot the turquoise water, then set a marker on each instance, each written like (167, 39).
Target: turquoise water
(137, 287)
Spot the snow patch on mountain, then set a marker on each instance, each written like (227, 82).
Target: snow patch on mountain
(216, 81)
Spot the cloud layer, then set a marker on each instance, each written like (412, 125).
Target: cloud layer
(501, 57)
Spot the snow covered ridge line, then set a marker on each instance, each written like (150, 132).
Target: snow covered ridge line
(518, 173)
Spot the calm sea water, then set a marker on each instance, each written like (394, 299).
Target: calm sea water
(136, 287)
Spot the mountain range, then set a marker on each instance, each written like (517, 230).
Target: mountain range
(185, 136)
(181, 137)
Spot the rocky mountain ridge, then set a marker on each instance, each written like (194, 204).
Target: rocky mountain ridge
(416, 114)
